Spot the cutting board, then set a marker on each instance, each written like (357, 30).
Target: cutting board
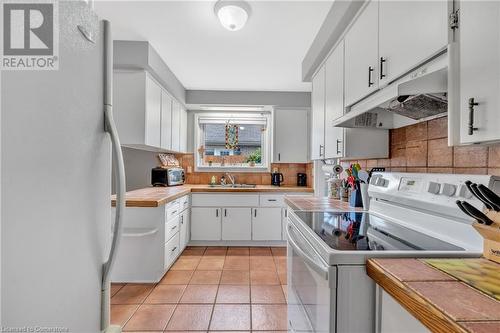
(479, 273)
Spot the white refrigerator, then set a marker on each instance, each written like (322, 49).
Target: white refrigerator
(56, 160)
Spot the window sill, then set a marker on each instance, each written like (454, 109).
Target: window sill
(255, 169)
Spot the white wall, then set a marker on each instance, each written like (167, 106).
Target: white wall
(141, 55)
(138, 165)
(284, 99)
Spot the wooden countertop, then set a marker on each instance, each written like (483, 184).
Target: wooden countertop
(438, 300)
(157, 196)
(319, 203)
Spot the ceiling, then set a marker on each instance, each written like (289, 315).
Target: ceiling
(265, 55)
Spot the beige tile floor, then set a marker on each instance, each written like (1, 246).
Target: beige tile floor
(209, 289)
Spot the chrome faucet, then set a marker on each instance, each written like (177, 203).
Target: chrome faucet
(231, 178)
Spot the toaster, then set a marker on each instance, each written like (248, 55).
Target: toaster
(167, 177)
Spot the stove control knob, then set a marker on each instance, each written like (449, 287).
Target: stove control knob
(374, 179)
(448, 189)
(464, 192)
(433, 187)
(380, 181)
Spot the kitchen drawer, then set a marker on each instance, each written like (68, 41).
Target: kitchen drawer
(184, 202)
(172, 208)
(171, 227)
(225, 200)
(272, 200)
(171, 250)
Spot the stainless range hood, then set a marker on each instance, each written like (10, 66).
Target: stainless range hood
(418, 96)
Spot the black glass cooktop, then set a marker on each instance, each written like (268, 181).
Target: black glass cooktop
(358, 231)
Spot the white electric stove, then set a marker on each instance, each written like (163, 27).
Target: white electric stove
(410, 215)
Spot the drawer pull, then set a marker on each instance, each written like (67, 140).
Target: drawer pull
(173, 228)
(175, 248)
(175, 211)
(271, 200)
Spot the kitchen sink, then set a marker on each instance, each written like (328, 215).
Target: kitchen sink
(234, 185)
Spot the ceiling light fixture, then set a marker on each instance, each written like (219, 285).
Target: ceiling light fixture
(232, 14)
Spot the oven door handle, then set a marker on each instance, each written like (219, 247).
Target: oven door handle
(317, 267)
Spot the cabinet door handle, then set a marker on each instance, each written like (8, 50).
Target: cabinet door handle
(255, 212)
(173, 228)
(338, 149)
(182, 219)
(472, 104)
(320, 150)
(382, 61)
(286, 212)
(225, 212)
(217, 212)
(175, 248)
(279, 157)
(370, 71)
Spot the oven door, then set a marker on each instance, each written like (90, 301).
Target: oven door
(311, 287)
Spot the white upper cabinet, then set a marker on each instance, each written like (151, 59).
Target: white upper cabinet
(146, 115)
(334, 102)
(361, 55)
(338, 142)
(183, 130)
(176, 122)
(166, 121)
(137, 109)
(153, 113)
(479, 43)
(318, 115)
(290, 136)
(410, 32)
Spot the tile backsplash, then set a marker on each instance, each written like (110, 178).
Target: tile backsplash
(423, 147)
(289, 171)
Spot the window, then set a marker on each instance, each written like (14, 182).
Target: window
(233, 141)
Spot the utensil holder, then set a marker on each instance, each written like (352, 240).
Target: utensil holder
(355, 199)
(365, 199)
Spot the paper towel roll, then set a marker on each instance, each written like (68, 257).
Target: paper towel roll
(334, 169)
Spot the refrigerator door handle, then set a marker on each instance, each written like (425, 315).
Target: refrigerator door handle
(110, 127)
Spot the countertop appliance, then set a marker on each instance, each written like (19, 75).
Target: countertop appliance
(167, 176)
(411, 215)
(59, 276)
(277, 178)
(301, 179)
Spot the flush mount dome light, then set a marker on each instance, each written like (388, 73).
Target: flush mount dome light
(232, 14)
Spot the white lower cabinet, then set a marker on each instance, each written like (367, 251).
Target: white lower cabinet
(393, 318)
(152, 239)
(172, 250)
(184, 229)
(236, 224)
(230, 218)
(266, 223)
(284, 218)
(206, 223)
